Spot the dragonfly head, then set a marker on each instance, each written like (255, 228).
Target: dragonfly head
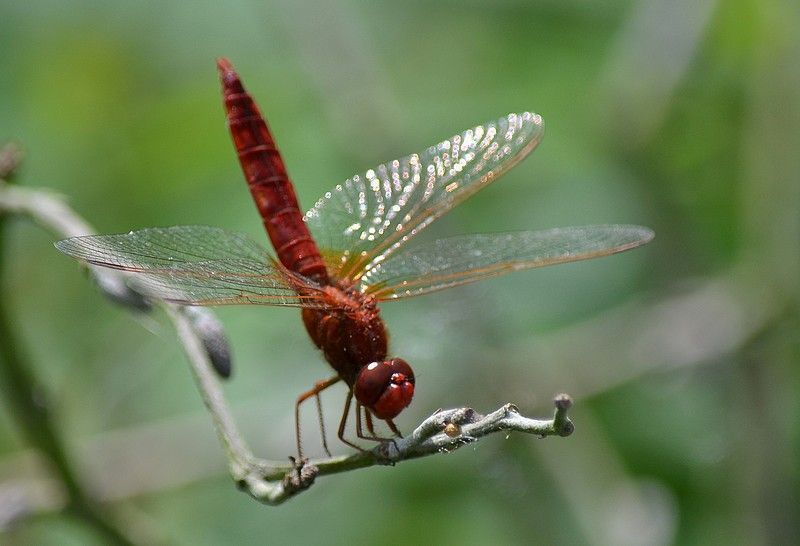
(385, 387)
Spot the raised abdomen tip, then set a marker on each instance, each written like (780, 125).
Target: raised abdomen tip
(229, 76)
(225, 66)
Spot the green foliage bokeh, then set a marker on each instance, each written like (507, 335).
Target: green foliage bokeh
(684, 119)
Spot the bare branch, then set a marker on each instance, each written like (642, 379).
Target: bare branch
(442, 432)
(204, 344)
(273, 482)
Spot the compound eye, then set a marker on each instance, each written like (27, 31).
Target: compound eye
(386, 387)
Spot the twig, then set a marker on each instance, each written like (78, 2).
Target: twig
(239, 455)
(274, 482)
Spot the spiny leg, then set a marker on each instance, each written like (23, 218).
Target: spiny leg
(359, 432)
(319, 386)
(318, 398)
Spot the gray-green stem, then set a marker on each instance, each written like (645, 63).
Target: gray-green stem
(273, 482)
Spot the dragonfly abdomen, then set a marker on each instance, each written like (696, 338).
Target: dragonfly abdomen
(268, 180)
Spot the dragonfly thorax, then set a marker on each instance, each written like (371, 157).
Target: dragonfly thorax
(350, 332)
(353, 339)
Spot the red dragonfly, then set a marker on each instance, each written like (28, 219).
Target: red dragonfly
(350, 251)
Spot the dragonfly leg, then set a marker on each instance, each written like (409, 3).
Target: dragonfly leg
(319, 386)
(343, 422)
(359, 425)
(393, 428)
(359, 431)
(370, 427)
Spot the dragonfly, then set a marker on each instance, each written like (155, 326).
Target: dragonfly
(351, 250)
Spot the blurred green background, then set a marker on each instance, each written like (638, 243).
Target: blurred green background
(682, 356)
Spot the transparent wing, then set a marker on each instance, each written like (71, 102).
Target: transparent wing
(369, 216)
(196, 265)
(468, 258)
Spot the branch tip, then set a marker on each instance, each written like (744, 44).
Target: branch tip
(561, 422)
(562, 401)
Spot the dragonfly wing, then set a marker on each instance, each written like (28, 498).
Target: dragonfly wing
(369, 216)
(468, 258)
(195, 265)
